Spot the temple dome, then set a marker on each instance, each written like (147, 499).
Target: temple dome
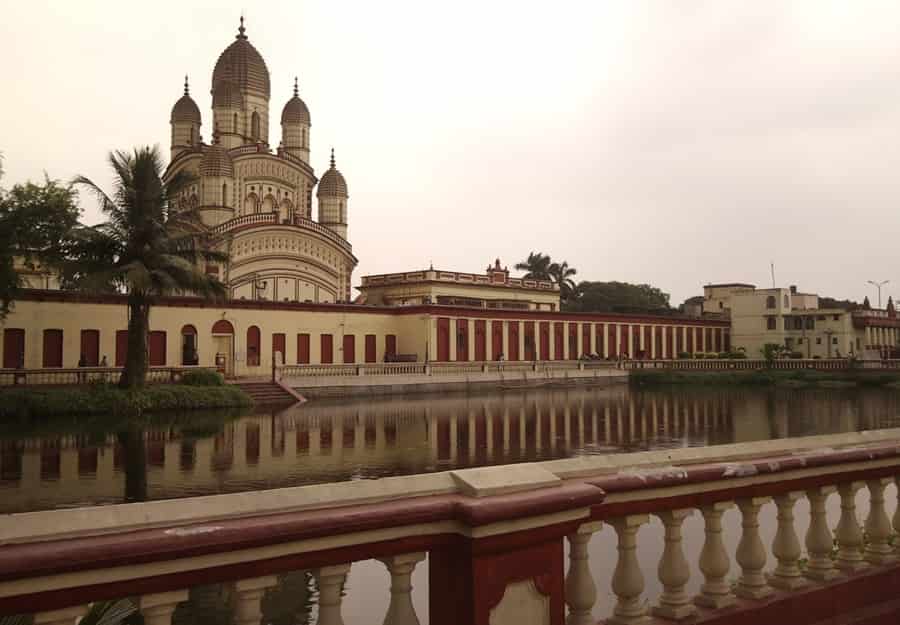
(216, 161)
(295, 111)
(332, 183)
(241, 66)
(185, 109)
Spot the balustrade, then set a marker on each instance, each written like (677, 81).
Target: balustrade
(369, 527)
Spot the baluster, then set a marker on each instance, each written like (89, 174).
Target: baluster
(627, 580)
(249, 592)
(849, 533)
(819, 540)
(714, 562)
(330, 580)
(157, 609)
(786, 546)
(581, 593)
(896, 520)
(751, 552)
(878, 525)
(64, 616)
(674, 571)
(401, 610)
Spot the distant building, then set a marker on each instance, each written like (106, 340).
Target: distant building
(787, 317)
(493, 289)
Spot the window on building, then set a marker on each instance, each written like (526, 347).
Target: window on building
(836, 317)
(771, 324)
(800, 341)
(254, 126)
(224, 194)
(834, 340)
(810, 323)
(787, 301)
(818, 340)
(253, 344)
(189, 354)
(13, 348)
(234, 126)
(770, 301)
(820, 318)
(53, 348)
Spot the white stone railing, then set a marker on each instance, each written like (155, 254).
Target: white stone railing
(272, 218)
(497, 534)
(436, 368)
(88, 375)
(738, 364)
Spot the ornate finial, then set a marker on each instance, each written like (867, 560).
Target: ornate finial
(186, 91)
(216, 134)
(332, 158)
(296, 91)
(241, 30)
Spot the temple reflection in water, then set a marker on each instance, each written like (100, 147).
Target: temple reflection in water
(326, 441)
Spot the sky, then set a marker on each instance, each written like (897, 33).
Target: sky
(675, 143)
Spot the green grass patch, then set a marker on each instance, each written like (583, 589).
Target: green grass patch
(29, 404)
(764, 377)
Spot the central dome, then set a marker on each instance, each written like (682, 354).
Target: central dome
(241, 65)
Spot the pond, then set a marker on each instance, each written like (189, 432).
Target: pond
(98, 461)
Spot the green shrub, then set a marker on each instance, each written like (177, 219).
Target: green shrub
(683, 356)
(699, 355)
(202, 377)
(712, 356)
(24, 404)
(796, 355)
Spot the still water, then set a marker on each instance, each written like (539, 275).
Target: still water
(93, 462)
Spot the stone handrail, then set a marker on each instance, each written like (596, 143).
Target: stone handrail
(494, 538)
(87, 375)
(436, 368)
(831, 364)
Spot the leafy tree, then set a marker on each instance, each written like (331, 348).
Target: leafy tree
(134, 251)
(619, 297)
(536, 266)
(771, 351)
(562, 274)
(34, 219)
(831, 302)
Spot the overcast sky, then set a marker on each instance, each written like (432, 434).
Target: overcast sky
(674, 143)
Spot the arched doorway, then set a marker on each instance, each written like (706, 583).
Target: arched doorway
(189, 349)
(223, 343)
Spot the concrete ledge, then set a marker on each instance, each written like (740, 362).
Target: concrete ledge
(342, 386)
(501, 480)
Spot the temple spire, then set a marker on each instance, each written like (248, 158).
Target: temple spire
(186, 91)
(296, 90)
(241, 30)
(332, 158)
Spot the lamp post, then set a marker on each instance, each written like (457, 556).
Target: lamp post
(878, 286)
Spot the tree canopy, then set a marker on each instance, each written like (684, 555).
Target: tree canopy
(134, 250)
(536, 266)
(34, 221)
(619, 297)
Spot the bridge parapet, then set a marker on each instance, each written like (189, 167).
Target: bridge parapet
(494, 539)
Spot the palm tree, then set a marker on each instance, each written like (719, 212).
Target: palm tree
(134, 252)
(562, 274)
(537, 266)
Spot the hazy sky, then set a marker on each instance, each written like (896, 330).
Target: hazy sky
(670, 142)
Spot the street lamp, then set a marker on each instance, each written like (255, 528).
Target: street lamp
(878, 286)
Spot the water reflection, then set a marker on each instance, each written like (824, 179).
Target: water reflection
(334, 440)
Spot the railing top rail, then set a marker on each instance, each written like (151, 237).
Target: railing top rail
(503, 479)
